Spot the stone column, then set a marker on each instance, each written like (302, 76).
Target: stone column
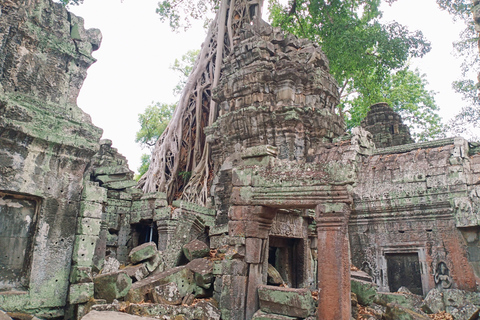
(254, 223)
(333, 261)
(166, 229)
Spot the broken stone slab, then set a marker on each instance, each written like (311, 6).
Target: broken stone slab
(112, 315)
(110, 265)
(366, 291)
(112, 286)
(142, 252)
(286, 301)
(113, 170)
(183, 277)
(195, 249)
(166, 293)
(203, 272)
(360, 275)
(433, 302)
(203, 310)
(137, 272)
(81, 274)
(4, 316)
(273, 276)
(260, 315)
(154, 262)
(397, 312)
(466, 312)
(118, 185)
(80, 292)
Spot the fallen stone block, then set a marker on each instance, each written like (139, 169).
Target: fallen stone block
(182, 276)
(113, 315)
(466, 312)
(4, 316)
(137, 272)
(110, 265)
(366, 291)
(433, 302)
(396, 312)
(286, 301)
(203, 272)
(167, 294)
(80, 293)
(260, 315)
(195, 249)
(81, 274)
(142, 252)
(113, 285)
(273, 276)
(203, 310)
(153, 262)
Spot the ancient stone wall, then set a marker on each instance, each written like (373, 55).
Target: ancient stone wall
(414, 200)
(46, 143)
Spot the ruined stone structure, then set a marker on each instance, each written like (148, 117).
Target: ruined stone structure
(295, 200)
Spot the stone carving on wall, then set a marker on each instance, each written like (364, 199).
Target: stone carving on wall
(442, 276)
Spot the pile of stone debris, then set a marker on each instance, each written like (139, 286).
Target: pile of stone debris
(445, 304)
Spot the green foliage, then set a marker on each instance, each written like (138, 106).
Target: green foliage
(73, 2)
(466, 49)
(185, 175)
(180, 13)
(406, 92)
(184, 67)
(367, 58)
(153, 122)
(144, 164)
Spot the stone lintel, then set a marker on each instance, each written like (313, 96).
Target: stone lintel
(290, 197)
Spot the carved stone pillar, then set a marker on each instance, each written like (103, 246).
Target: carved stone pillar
(254, 223)
(333, 261)
(166, 229)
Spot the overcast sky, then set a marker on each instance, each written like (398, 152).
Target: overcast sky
(137, 49)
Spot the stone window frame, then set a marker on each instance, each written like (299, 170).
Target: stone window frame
(29, 251)
(419, 249)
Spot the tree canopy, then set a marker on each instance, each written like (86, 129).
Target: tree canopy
(367, 58)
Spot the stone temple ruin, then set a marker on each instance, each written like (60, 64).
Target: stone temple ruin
(306, 221)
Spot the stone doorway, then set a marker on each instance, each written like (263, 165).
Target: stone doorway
(403, 270)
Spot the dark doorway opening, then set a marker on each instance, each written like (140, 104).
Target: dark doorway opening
(144, 232)
(286, 256)
(404, 271)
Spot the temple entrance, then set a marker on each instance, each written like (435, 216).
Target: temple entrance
(404, 270)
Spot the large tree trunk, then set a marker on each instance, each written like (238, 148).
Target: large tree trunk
(182, 150)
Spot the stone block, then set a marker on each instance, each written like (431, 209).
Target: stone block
(433, 302)
(80, 293)
(83, 250)
(182, 276)
(94, 193)
(286, 301)
(253, 250)
(111, 170)
(120, 185)
(112, 286)
(236, 228)
(203, 272)
(88, 226)
(137, 272)
(161, 213)
(366, 291)
(234, 267)
(166, 293)
(195, 249)
(260, 315)
(81, 274)
(143, 252)
(91, 209)
(154, 262)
